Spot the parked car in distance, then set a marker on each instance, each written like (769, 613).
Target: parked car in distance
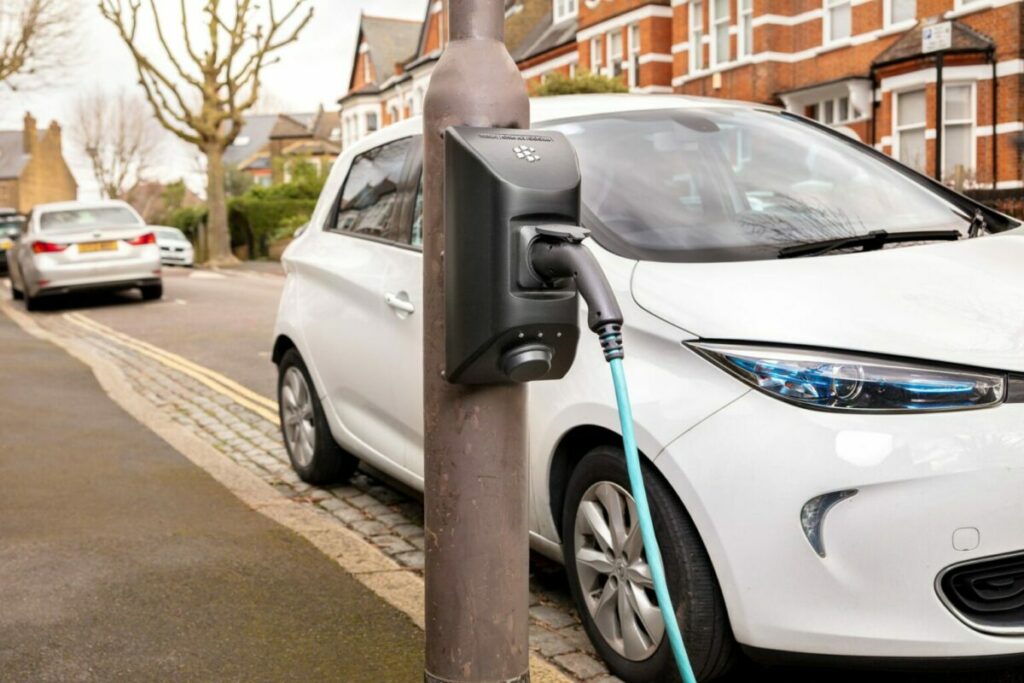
(11, 224)
(826, 359)
(75, 246)
(175, 248)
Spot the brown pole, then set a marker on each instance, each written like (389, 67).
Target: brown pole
(476, 484)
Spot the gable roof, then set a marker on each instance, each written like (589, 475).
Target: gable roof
(254, 135)
(545, 35)
(389, 42)
(908, 46)
(12, 153)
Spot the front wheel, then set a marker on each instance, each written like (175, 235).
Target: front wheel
(611, 581)
(16, 293)
(315, 456)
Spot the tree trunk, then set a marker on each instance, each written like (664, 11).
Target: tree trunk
(218, 237)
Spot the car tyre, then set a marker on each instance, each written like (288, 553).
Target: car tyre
(31, 302)
(16, 293)
(314, 455)
(602, 476)
(152, 292)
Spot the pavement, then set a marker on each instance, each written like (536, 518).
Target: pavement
(200, 357)
(122, 561)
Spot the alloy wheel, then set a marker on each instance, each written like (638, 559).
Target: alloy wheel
(297, 416)
(614, 576)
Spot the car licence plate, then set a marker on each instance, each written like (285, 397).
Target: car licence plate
(89, 247)
(5, 245)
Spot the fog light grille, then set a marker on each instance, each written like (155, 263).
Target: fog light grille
(987, 594)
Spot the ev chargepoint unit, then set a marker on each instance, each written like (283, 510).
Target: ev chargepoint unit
(514, 264)
(504, 190)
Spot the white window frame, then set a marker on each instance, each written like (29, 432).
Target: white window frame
(836, 121)
(746, 18)
(896, 129)
(887, 14)
(972, 121)
(696, 36)
(633, 51)
(596, 55)
(565, 9)
(611, 57)
(828, 7)
(713, 29)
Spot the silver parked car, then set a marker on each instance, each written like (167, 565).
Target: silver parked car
(73, 246)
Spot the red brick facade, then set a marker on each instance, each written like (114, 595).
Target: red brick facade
(855, 64)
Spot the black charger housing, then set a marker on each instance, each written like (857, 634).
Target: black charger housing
(503, 322)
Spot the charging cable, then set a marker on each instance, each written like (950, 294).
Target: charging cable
(558, 255)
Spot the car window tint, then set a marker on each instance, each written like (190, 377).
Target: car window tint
(371, 192)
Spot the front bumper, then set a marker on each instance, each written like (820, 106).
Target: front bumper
(933, 490)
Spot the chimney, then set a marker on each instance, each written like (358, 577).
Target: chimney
(30, 136)
(55, 135)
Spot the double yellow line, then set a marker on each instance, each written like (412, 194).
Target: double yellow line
(262, 406)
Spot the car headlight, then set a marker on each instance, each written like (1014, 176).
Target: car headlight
(855, 383)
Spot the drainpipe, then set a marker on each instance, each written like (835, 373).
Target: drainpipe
(995, 120)
(940, 62)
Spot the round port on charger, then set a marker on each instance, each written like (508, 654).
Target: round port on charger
(527, 362)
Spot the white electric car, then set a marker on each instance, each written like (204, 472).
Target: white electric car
(69, 247)
(826, 356)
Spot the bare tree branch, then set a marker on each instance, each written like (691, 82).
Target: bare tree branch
(36, 37)
(201, 92)
(119, 135)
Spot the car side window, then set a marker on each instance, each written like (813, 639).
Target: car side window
(370, 192)
(416, 237)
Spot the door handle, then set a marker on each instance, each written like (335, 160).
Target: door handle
(399, 302)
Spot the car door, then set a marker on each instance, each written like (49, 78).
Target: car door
(402, 329)
(344, 306)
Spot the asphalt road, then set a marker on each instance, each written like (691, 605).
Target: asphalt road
(225, 322)
(222, 321)
(121, 560)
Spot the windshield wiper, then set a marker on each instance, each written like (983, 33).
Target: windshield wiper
(876, 239)
(978, 224)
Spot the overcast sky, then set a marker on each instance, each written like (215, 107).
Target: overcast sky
(311, 72)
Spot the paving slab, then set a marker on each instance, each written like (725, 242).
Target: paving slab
(121, 560)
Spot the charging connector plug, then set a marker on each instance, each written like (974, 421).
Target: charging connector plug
(557, 254)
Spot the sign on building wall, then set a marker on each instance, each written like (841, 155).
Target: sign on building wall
(937, 37)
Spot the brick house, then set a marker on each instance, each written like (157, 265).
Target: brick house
(935, 83)
(268, 143)
(32, 167)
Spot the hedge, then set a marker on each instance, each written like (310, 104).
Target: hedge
(256, 222)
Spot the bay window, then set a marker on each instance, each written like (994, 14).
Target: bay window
(696, 35)
(957, 132)
(911, 118)
(719, 31)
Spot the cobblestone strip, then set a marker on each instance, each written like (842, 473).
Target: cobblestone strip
(368, 505)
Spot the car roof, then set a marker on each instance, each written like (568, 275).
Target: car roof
(69, 206)
(544, 109)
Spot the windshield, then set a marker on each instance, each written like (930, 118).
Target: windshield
(85, 218)
(10, 228)
(736, 184)
(171, 235)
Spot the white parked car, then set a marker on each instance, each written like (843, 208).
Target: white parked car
(175, 249)
(76, 246)
(826, 357)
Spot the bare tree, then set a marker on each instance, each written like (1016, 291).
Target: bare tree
(119, 135)
(202, 92)
(34, 37)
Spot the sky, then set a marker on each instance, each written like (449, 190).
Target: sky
(311, 72)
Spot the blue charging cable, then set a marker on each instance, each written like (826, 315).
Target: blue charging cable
(558, 254)
(636, 483)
